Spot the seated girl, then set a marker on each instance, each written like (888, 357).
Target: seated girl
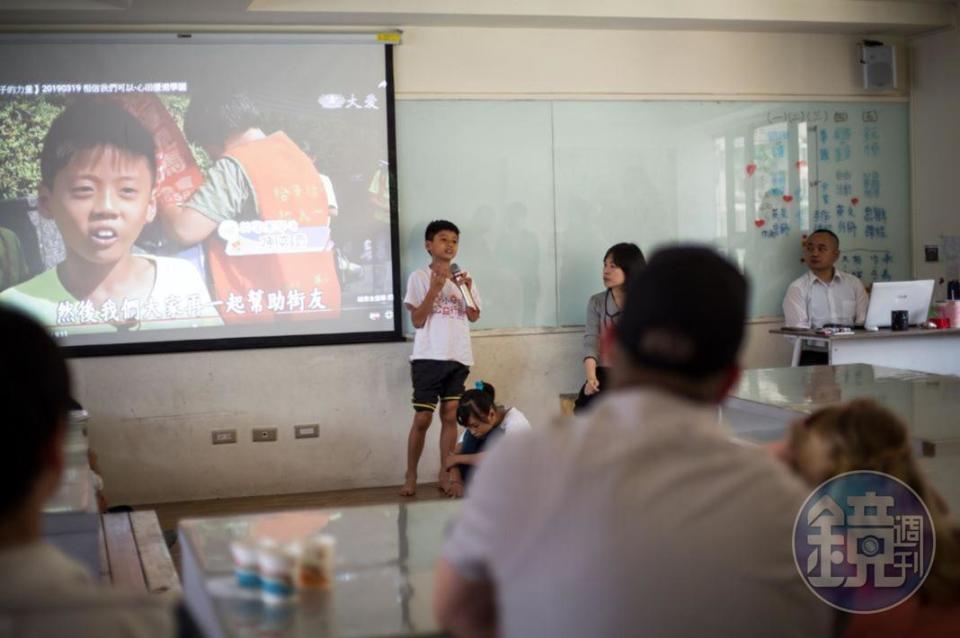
(603, 312)
(863, 435)
(485, 422)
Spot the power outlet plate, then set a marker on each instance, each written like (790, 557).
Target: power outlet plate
(221, 437)
(308, 431)
(262, 435)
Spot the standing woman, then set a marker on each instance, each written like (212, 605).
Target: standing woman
(603, 311)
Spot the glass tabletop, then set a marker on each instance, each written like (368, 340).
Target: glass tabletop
(385, 557)
(929, 403)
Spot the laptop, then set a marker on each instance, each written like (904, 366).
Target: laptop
(887, 296)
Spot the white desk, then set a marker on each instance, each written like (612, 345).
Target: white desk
(925, 350)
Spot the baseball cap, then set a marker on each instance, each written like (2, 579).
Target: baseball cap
(685, 312)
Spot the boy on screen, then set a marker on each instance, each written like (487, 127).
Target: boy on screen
(98, 173)
(264, 212)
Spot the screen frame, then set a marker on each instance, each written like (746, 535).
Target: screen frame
(271, 341)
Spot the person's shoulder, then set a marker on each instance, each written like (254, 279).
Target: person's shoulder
(598, 298)
(516, 421)
(800, 281)
(848, 278)
(172, 265)
(420, 274)
(597, 301)
(44, 286)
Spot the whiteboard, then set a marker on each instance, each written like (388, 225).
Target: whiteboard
(541, 189)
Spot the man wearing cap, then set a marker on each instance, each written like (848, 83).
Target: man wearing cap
(642, 516)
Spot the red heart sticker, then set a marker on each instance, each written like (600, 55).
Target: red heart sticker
(788, 198)
(751, 169)
(855, 200)
(759, 223)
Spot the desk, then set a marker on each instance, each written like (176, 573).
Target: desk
(766, 400)
(385, 559)
(934, 351)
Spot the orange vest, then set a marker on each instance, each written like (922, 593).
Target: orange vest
(286, 186)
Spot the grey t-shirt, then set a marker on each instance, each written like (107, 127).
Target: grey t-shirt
(642, 516)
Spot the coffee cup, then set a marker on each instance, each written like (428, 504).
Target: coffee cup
(899, 320)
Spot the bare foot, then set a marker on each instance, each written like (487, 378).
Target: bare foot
(443, 482)
(409, 487)
(455, 490)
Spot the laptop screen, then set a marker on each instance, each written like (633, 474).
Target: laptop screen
(887, 296)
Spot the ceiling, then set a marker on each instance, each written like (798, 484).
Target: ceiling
(878, 17)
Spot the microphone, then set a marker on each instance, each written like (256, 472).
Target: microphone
(457, 274)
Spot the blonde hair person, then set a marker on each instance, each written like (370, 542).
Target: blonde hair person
(863, 435)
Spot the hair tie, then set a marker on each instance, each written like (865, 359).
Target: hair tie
(478, 385)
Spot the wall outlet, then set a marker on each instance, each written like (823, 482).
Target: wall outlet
(310, 431)
(224, 436)
(264, 434)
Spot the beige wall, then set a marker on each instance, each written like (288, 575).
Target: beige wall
(152, 415)
(459, 62)
(935, 108)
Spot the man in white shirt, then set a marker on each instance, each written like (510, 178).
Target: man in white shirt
(641, 517)
(42, 591)
(824, 295)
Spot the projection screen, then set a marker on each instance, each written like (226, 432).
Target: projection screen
(170, 192)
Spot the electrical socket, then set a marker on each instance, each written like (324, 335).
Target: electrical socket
(261, 435)
(224, 436)
(308, 431)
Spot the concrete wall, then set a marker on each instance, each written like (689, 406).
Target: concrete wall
(152, 415)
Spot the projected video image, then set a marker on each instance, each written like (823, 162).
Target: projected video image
(185, 203)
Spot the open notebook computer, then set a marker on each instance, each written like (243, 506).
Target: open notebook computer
(887, 296)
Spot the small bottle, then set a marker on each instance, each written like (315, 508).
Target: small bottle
(315, 561)
(277, 564)
(245, 566)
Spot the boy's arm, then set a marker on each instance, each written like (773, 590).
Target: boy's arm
(186, 225)
(472, 313)
(224, 193)
(420, 314)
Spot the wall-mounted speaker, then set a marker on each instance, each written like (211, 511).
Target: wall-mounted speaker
(879, 63)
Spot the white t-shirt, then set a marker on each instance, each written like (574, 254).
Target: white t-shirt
(45, 593)
(641, 516)
(514, 422)
(811, 303)
(446, 334)
(178, 299)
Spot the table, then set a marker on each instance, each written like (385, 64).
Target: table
(766, 400)
(927, 350)
(385, 558)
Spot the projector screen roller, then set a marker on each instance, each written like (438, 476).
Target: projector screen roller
(163, 193)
